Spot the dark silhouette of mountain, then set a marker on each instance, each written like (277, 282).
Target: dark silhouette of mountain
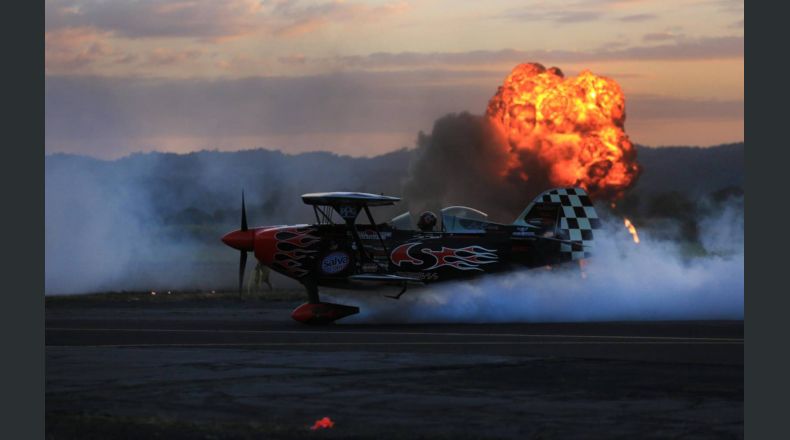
(155, 219)
(205, 186)
(694, 170)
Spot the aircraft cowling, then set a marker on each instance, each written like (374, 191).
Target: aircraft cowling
(289, 250)
(266, 245)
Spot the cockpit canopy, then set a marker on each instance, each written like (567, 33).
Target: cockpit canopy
(454, 219)
(463, 219)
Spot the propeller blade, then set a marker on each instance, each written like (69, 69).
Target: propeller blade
(243, 213)
(242, 266)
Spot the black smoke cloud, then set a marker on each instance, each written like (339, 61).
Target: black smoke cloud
(461, 163)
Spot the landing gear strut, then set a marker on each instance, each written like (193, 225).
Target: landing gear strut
(316, 312)
(312, 291)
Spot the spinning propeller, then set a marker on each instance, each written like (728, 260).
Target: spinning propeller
(242, 253)
(243, 240)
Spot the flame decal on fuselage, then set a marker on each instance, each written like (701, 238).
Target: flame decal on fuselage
(293, 245)
(467, 258)
(401, 255)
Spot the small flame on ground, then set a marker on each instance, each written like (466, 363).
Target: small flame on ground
(631, 229)
(324, 423)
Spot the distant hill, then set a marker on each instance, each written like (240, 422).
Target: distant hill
(690, 169)
(209, 183)
(205, 187)
(155, 219)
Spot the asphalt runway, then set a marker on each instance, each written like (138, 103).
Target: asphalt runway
(246, 370)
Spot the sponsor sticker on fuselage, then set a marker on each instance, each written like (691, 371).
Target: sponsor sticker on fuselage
(348, 212)
(335, 262)
(369, 234)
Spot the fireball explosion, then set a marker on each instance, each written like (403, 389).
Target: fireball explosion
(572, 126)
(541, 130)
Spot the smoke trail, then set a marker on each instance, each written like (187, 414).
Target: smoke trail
(106, 228)
(655, 280)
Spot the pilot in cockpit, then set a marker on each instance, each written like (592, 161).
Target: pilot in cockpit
(427, 221)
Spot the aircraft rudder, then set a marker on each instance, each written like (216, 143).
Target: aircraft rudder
(565, 214)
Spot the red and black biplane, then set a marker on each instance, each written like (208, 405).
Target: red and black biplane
(339, 250)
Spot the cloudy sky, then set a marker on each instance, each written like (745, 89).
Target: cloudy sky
(363, 77)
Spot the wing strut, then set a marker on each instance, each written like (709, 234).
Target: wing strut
(376, 228)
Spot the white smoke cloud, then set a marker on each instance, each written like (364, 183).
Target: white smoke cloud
(154, 221)
(655, 280)
(102, 232)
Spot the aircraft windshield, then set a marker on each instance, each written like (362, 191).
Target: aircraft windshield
(462, 219)
(451, 216)
(402, 221)
(465, 212)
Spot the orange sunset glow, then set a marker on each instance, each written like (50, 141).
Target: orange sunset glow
(364, 77)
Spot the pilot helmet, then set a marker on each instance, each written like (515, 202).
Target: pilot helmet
(427, 221)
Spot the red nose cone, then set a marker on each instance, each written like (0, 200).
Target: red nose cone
(241, 240)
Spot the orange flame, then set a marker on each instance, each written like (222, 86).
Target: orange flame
(573, 126)
(324, 423)
(631, 229)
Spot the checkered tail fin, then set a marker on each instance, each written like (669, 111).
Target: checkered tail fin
(566, 214)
